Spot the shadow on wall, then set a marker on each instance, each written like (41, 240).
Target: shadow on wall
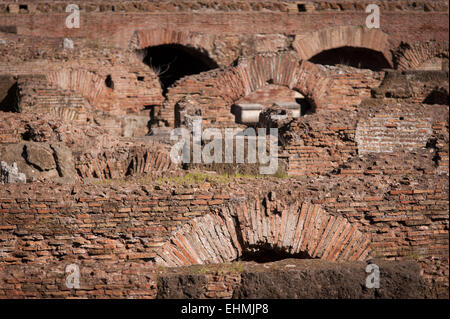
(171, 62)
(362, 58)
(439, 96)
(9, 95)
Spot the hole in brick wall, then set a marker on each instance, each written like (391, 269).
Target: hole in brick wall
(352, 56)
(23, 7)
(432, 144)
(140, 78)
(109, 82)
(171, 62)
(306, 106)
(9, 100)
(301, 7)
(265, 254)
(439, 96)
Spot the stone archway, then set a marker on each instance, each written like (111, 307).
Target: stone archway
(224, 235)
(312, 44)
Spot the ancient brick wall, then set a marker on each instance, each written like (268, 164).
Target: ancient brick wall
(316, 147)
(231, 19)
(216, 91)
(59, 225)
(366, 172)
(101, 279)
(135, 84)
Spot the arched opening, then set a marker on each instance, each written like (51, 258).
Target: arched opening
(352, 56)
(247, 231)
(109, 82)
(174, 61)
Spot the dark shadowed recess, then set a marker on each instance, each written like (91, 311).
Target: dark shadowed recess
(171, 62)
(263, 254)
(352, 56)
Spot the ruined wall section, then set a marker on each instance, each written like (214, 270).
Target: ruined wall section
(132, 86)
(403, 217)
(118, 27)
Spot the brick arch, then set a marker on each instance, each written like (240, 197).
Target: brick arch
(412, 56)
(222, 88)
(223, 236)
(88, 84)
(284, 69)
(153, 37)
(308, 45)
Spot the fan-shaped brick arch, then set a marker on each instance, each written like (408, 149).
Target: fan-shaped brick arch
(283, 69)
(224, 235)
(411, 57)
(85, 83)
(308, 45)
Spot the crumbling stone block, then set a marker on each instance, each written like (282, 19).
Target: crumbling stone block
(40, 156)
(64, 160)
(185, 111)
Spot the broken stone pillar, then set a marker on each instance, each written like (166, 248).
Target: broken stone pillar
(10, 174)
(185, 111)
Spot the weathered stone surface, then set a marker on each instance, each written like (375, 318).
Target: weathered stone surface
(293, 279)
(40, 156)
(181, 286)
(307, 280)
(135, 125)
(64, 160)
